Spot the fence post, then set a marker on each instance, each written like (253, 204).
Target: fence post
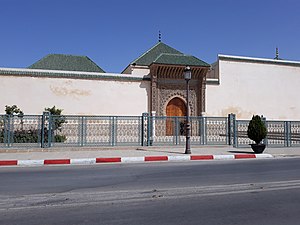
(51, 131)
(148, 129)
(204, 129)
(200, 129)
(113, 131)
(151, 131)
(264, 120)
(7, 130)
(145, 117)
(177, 128)
(287, 133)
(290, 133)
(82, 131)
(153, 127)
(46, 130)
(235, 132)
(229, 131)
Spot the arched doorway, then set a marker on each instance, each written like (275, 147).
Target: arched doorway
(175, 107)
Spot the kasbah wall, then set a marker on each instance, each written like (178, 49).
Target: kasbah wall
(75, 96)
(246, 87)
(255, 87)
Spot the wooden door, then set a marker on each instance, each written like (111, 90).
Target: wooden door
(176, 107)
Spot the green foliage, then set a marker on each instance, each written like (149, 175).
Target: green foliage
(22, 136)
(2, 136)
(31, 135)
(257, 130)
(60, 138)
(13, 110)
(26, 136)
(54, 110)
(58, 119)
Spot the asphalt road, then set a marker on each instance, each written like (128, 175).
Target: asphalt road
(219, 192)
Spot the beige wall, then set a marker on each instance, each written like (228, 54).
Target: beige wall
(262, 87)
(75, 96)
(244, 86)
(137, 71)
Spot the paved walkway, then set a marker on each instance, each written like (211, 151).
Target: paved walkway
(91, 155)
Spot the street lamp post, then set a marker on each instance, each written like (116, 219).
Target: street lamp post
(187, 77)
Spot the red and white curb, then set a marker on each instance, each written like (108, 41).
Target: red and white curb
(88, 161)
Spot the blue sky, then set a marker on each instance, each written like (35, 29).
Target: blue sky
(115, 32)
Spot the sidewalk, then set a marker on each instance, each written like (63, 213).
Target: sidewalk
(91, 155)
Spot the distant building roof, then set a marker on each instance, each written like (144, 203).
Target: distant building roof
(164, 54)
(149, 56)
(66, 63)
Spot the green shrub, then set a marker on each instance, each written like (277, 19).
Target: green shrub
(58, 119)
(257, 130)
(60, 138)
(26, 136)
(1, 136)
(22, 136)
(32, 135)
(13, 110)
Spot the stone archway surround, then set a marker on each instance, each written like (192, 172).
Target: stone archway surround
(166, 95)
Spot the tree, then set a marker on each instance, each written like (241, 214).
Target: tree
(10, 111)
(58, 119)
(13, 110)
(257, 130)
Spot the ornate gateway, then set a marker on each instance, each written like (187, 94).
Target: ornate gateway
(167, 84)
(164, 66)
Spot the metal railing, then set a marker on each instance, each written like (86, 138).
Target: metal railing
(62, 130)
(22, 131)
(279, 134)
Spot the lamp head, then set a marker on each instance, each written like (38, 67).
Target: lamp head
(187, 73)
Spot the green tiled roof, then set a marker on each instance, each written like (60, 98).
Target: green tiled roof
(179, 59)
(67, 63)
(148, 57)
(164, 54)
